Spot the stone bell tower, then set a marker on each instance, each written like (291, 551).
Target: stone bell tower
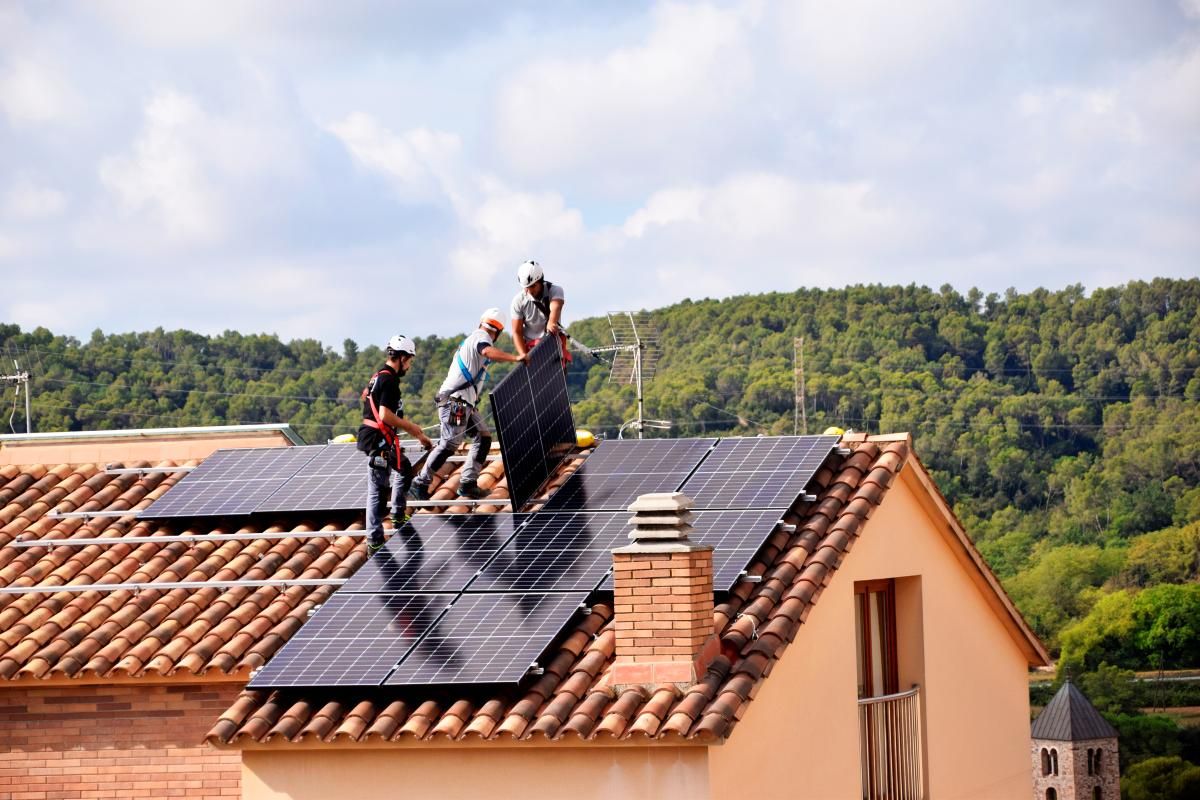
(1074, 750)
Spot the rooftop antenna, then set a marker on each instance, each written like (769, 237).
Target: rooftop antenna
(635, 352)
(18, 379)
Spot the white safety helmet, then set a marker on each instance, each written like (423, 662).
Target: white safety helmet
(494, 319)
(529, 273)
(401, 345)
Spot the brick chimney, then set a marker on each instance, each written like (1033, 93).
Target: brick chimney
(662, 598)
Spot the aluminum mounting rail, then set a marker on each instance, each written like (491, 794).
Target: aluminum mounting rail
(184, 537)
(170, 585)
(92, 514)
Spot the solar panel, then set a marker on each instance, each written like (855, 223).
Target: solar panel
(557, 551)
(533, 420)
(487, 638)
(434, 553)
(232, 481)
(735, 537)
(618, 471)
(353, 640)
(335, 479)
(763, 472)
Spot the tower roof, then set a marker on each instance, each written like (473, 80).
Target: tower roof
(1069, 717)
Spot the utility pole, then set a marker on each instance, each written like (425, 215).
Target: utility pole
(18, 379)
(800, 406)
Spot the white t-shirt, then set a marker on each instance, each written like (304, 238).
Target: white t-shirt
(525, 309)
(471, 354)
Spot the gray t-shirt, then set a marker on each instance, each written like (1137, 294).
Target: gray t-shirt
(470, 352)
(524, 309)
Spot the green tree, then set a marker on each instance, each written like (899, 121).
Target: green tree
(1165, 778)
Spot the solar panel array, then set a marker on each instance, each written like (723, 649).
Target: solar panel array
(478, 598)
(232, 482)
(533, 421)
(760, 472)
(618, 471)
(270, 480)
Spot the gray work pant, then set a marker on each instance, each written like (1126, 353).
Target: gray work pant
(450, 437)
(379, 498)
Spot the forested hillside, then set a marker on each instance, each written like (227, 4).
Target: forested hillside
(1063, 426)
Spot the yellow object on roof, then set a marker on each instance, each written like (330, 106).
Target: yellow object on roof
(833, 430)
(584, 438)
(345, 438)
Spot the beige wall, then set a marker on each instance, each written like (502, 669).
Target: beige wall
(152, 449)
(974, 682)
(488, 771)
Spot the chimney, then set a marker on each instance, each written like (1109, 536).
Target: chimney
(662, 598)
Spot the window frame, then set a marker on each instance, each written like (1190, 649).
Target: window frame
(863, 592)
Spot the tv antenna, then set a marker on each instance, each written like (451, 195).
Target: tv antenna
(635, 352)
(18, 379)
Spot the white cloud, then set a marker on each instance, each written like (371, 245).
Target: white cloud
(33, 93)
(26, 200)
(421, 163)
(637, 105)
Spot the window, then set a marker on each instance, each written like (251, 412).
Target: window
(1051, 794)
(1091, 755)
(1097, 794)
(1045, 761)
(1096, 761)
(1054, 761)
(875, 622)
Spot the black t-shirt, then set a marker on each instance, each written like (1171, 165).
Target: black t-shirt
(384, 388)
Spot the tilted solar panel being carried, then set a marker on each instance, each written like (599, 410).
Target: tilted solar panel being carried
(767, 472)
(735, 537)
(557, 552)
(487, 638)
(619, 470)
(232, 482)
(435, 553)
(335, 479)
(353, 640)
(533, 421)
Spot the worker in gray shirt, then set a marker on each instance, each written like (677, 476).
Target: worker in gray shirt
(537, 311)
(458, 408)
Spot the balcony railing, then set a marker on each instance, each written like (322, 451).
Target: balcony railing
(890, 733)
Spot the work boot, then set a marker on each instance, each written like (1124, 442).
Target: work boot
(418, 492)
(471, 490)
(374, 546)
(400, 517)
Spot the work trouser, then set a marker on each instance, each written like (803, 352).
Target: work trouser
(450, 437)
(379, 498)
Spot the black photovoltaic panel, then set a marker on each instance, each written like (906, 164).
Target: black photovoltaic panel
(619, 470)
(435, 553)
(487, 638)
(232, 482)
(766, 472)
(557, 552)
(533, 421)
(353, 640)
(335, 479)
(735, 537)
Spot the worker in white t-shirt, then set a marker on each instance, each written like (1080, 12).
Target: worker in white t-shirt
(537, 311)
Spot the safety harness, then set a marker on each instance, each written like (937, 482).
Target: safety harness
(388, 433)
(469, 380)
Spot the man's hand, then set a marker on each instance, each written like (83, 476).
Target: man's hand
(553, 328)
(425, 441)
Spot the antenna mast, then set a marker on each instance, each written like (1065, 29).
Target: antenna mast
(636, 350)
(18, 379)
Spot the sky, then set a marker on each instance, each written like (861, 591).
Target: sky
(359, 169)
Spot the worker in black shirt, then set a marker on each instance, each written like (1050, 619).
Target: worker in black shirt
(383, 413)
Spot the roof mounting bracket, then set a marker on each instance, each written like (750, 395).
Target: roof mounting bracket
(844, 451)
(787, 527)
(534, 669)
(744, 578)
(808, 498)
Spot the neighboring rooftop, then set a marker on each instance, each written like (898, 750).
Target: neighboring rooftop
(1070, 717)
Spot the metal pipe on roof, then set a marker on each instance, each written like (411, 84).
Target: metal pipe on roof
(144, 470)
(144, 433)
(90, 514)
(184, 537)
(462, 501)
(169, 585)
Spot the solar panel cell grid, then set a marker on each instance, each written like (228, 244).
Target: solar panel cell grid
(487, 638)
(766, 472)
(556, 551)
(435, 553)
(618, 471)
(335, 479)
(353, 640)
